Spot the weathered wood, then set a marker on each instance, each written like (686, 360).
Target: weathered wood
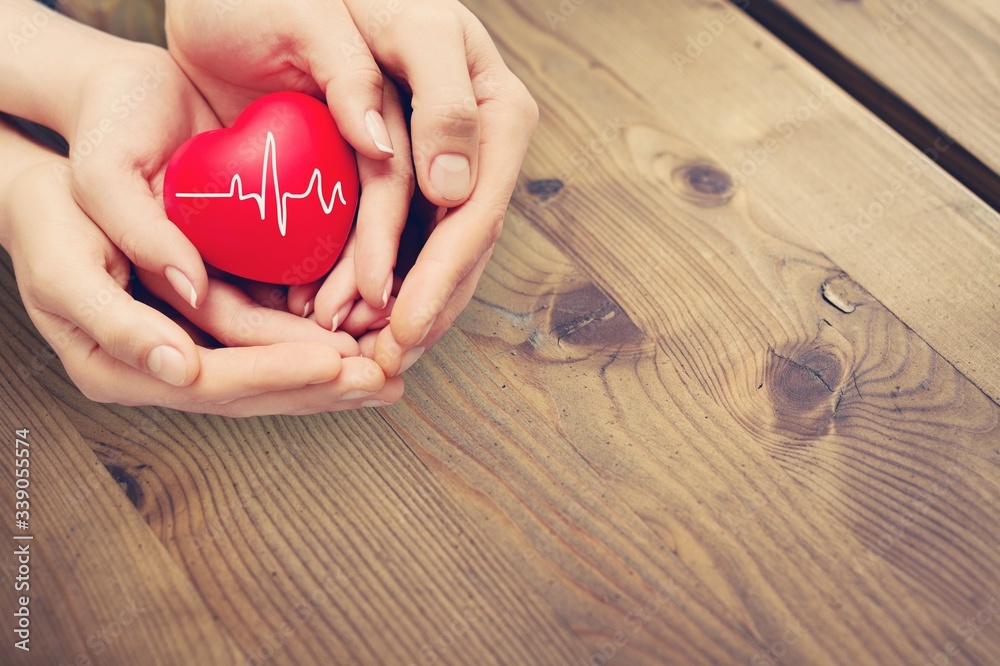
(943, 58)
(102, 588)
(746, 119)
(699, 412)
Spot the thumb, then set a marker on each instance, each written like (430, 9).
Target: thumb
(343, 66)
(123, 206)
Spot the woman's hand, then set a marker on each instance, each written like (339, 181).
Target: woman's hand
(75, 286)
(123, 108)
(471, 124)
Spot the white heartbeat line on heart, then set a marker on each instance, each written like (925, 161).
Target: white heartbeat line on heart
(271, 157)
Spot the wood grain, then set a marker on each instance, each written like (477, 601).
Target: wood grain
(102, 588)
(941, 57)
(772, 132)
(697, 413)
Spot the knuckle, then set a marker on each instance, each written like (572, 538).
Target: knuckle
(364, 77)
(454, 116)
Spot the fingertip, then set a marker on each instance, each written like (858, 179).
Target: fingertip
(170, 365)
(450, 177)
(378, 132)
(185, 287)
(387, 353)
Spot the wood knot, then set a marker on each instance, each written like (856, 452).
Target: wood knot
(128, 483)
(587, 317)
(545, 189)
(804, 386)
(703, 183)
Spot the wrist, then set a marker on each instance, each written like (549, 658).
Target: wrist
(23, 159)
(44, 75)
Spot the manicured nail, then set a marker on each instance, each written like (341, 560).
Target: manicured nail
(356, 395)
(411, 357)
(181, 285)
(379, 132)
(427, 330)
(374, 403)
(451, 176)
(381, 323)
(307, 309)
(167, 364)
(386, 291)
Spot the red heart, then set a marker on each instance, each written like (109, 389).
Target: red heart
(273, 197)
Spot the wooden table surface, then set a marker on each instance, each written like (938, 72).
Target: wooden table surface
(727, 393)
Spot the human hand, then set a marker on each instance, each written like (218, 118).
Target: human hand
(124, 108)
(471, 124)
(74, 284)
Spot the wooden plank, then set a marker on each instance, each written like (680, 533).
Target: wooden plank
(818, 489)
(325, 540)
(747, 124)
(102, 589)
(941, 57)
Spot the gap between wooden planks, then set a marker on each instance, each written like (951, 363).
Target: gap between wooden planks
(748, 120)
(941, 57)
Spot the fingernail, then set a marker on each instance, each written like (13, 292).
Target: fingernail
(356, 395)
(307, 309)
(340, 316)
(385, 292)
(411, 357)
(451, 176)
(381, 323)
(379, 132)
(167, 364)
(181, 285)
(427, 330)
(374, 403)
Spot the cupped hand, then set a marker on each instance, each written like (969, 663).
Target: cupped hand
(471, 124)
(74, 283)
(130, 116)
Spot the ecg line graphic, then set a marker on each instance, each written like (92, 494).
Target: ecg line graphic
(271, 156)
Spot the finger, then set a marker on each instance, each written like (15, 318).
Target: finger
(125, 329)
(445, 124)
(360, 384)
(386, 191)
(465, 233)
(366, 344)
(364, 317)
(302, 298)
(395, 359)
(339, 290)
(235, 320)
(122, 204)
(227, 375)
(342, 65)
